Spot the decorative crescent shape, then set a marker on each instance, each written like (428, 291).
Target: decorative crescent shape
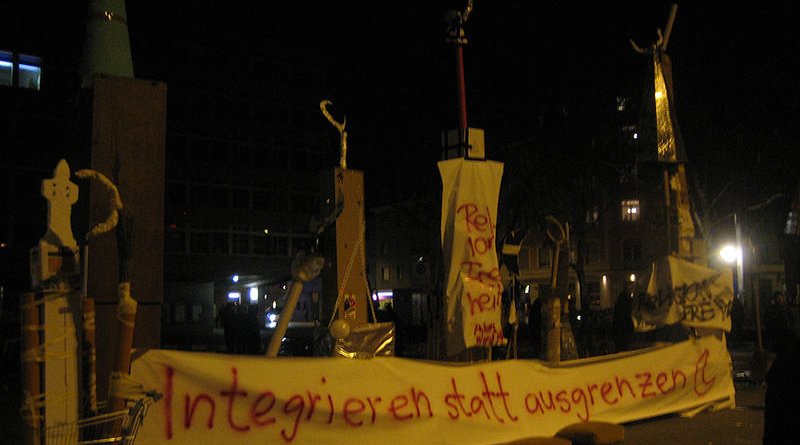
(115, 202)
(323, 107)
(342, 132)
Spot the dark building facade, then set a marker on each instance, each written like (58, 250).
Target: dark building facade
(244, 147)
(38, 104)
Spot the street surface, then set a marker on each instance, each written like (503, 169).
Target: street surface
(743, 425)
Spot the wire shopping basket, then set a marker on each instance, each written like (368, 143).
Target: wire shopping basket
(119, 427)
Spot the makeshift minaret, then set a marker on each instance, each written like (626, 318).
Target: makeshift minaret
(470, 188)
(345, 288)
(126, 118)
(50, 353)
(660, 127)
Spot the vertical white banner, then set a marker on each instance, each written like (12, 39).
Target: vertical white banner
(473, 289)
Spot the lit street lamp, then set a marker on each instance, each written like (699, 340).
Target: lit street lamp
(732, 254)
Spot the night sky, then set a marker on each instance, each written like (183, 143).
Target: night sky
(391, 72)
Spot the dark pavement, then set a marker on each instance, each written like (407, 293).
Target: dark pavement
(741, 425)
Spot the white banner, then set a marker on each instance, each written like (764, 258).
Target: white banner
(474, 289)
(216, 398)
(683, 292)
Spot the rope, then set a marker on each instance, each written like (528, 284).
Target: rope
(123, 386)
(38, 354)
(33, 355)
(31, 406)
(44, 296)
(32, 305)
(347, 271)
(366, 285)
(115, 201)
(89, 321)
(126, 309)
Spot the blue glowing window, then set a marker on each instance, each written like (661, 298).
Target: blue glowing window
(20, 70)
(6, 68)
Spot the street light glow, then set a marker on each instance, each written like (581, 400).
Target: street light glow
(730, 254)
(253, 292)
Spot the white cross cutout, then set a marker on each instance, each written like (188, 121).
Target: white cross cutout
(61, 194)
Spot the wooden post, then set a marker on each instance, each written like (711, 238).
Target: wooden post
(551, 305)
(31, 369)
(126, 316)
(90, 355)
(343, 279)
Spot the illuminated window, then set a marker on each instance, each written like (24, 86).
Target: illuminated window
(386, 273)
(622, 103)
(20, 70)
(630, 210)
(6, 69)
(30, 72)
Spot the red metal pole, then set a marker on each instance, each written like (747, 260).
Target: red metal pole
(462, 93)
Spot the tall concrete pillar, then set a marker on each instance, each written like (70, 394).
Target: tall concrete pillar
(128, 133)
(125, 119)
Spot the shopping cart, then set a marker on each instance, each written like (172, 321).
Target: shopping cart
(119, 427)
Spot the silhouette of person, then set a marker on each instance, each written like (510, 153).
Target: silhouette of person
(535, 326)
(227, 318)
(252, 329)
(737, 321)
(386, 313)
(621, 323)
(778, 323)
(782, 397)
(241, 327)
